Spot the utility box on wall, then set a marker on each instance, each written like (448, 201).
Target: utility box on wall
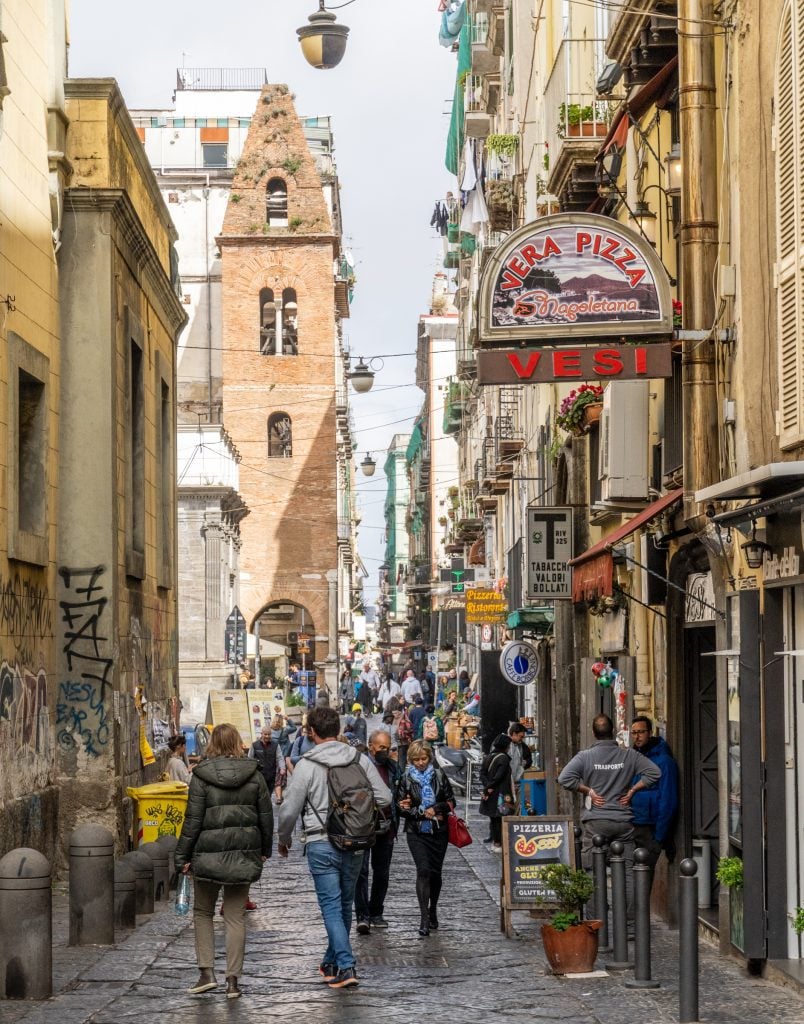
(624, 441)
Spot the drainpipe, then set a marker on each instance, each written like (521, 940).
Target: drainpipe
(699, 246)
(205, 193)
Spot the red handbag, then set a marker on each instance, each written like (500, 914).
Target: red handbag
(457, 832)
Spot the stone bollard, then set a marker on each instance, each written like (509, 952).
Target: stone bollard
(601, 897)
(688, 941)
(619, 912)
(26, 926)
(125, 896)
(91, 886)
(170, 843)
(143, 868)
(161, 861)
(642, 886)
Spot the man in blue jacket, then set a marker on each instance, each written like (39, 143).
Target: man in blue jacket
(655, 809)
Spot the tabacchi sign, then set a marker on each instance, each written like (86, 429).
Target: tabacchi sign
(573, 276)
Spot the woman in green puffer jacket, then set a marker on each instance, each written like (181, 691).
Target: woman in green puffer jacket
(227, 834)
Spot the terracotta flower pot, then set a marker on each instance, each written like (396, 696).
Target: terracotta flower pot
(573, 951)
(591, 413)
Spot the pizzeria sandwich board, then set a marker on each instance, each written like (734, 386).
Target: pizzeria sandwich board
(528, 845)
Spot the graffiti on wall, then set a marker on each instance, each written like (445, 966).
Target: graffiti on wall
(24, 617)
(23, 708)
(82, 714)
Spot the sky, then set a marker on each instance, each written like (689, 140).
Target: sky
(389, 98)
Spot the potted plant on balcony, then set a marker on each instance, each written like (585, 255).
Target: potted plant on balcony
(502, 203)
(502, 145)
(579, 121)
(570, 943)
(580, 409)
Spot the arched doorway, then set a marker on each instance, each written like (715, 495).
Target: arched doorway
(290, 625)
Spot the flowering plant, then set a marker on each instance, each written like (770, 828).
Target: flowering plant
(677, 310)
(570, 412)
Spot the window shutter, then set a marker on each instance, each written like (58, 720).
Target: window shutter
(790, 224)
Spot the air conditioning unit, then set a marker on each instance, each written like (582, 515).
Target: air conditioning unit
(293, 638)
(624, 441)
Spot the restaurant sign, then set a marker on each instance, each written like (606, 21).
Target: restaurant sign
(538, 366)
(570, 277)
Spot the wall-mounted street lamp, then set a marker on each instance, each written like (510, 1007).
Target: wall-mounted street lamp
(323, 42)
(645, 220)
(672, 164)
(754, 549)
(368, 465)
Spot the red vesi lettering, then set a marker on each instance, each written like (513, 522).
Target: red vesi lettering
(530, 366)
(567, 363)
(641, 360)
(608, 362)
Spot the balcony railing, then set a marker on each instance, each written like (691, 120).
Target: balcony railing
(477, 122)
(576, 118)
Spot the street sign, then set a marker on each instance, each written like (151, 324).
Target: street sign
(597, 362)
(549, 549)
(520, 662)
(485, 606)
(234, 637)
(458, 577)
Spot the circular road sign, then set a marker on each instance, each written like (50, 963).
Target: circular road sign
(519, 662)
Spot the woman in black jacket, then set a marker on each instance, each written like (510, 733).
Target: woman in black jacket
(495, 778)
(226, 836)
(424, 800)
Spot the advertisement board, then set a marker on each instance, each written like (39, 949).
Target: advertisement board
(529, 845)
(549, 550)
(485, 606)
(573, 276)
(592, 363)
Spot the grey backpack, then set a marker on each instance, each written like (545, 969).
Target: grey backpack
(352, 818)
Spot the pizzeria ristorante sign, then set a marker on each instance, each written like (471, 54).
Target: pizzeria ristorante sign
(573, 277)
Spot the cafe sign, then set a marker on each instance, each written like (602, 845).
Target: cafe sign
(572, 277)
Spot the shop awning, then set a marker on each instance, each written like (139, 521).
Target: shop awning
(593, 571)
(653, 92)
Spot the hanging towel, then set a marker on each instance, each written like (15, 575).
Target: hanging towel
(469, 169)
(475, 213)
(452, 22)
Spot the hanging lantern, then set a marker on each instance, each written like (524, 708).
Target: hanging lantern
(323, 42)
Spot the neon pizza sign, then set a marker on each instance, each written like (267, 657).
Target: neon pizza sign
(570, 277)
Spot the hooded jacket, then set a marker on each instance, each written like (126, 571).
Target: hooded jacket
(229, 823)
(608, 768)
(658, 807)
(309, 788)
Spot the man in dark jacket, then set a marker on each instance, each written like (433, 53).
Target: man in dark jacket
(268, 755)
(369, 909)
(655, 809)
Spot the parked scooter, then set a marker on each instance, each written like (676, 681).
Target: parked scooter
(454, 763)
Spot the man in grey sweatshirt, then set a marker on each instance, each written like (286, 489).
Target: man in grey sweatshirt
(603, 774)
(335, 871)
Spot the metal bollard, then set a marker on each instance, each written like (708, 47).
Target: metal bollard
(91, 886)
(125, 896)
(26, 926)
(688, 942)
(601, 899)
(642, 887)
(170, 843)
(143, 868)
(578, 832)
(619, 913)
(161, 861)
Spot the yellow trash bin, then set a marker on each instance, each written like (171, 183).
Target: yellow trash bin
(160, 810)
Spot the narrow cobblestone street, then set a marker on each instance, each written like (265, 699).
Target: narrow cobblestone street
(466, 971)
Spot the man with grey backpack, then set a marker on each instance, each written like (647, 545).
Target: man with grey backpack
(337, 791)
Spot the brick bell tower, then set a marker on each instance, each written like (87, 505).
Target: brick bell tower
(280, 238)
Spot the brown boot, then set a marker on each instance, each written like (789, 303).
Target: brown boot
(206, 982)
(232, 991)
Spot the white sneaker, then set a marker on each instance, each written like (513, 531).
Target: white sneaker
(496, 848)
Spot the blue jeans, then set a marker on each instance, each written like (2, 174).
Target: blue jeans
(335, 876)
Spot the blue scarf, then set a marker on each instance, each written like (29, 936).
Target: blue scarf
(425, 780)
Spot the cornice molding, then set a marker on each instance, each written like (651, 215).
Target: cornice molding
(139, 250)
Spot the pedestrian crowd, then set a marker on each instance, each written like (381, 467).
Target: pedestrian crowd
(347, 793)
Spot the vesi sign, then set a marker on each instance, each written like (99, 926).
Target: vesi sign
(549, 550)
(624, 362)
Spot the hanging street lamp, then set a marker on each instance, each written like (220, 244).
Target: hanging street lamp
(323, 42)
(362, 377)
(368, 465)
